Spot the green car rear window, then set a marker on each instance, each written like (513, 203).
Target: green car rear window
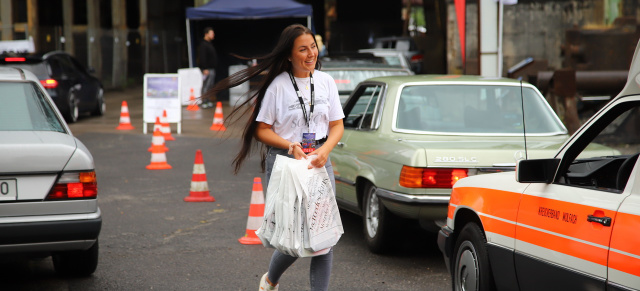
(482, 109)
(23, 107)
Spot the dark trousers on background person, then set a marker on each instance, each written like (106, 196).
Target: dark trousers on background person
(207, 84)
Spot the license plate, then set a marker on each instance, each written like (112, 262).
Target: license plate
(8, 190)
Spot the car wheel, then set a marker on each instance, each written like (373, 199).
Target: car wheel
(77, 263)
(376, 221)
(471, 269)
(101, 107)
(72, 108)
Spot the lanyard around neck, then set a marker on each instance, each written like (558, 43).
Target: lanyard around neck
(311, 104)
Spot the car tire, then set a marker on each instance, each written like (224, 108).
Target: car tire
(471, 269)
(376, 221)
(101, 106)
(77, 263)
(72, 108)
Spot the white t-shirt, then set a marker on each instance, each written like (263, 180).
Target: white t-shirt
(281, 107)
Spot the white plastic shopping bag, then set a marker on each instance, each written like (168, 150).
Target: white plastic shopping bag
(322, 217)
(301, 216)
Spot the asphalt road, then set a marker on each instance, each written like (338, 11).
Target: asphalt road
(152, 239)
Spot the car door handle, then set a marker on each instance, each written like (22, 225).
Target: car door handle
(340, 144)
(606, 221)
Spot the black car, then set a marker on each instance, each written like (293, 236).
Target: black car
(71, 86)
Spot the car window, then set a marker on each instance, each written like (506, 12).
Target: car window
(393, 60)
(77, 66)
(55, 67)
(25, 108)
(62, 66)
(39, 69)
(481, 109)
(68, 67)
(360, 110)
(603, 157)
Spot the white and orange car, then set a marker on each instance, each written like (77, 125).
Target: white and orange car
(571, 222)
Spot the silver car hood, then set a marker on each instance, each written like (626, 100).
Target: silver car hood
(35, 151)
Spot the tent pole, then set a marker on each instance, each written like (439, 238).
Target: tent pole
(189, 43)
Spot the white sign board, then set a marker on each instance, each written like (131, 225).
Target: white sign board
(161, 92)
(17, 46)
(190, 81)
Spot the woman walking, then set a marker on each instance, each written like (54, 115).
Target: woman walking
(297, 114)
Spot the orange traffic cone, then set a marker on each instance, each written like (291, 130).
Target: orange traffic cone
(125, 120)
(218, 123)
(193, 104)
(166, 129)
(199, 188)
(158, 139)
(158, 158)
(256, 212)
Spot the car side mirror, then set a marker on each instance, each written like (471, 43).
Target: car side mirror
(536, 171)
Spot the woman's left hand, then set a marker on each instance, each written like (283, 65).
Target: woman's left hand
(321, 156)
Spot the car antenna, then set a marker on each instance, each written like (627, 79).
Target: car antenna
(524, 127)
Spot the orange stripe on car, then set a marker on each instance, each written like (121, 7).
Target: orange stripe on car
(502, 204)
(567, 246)
(564, 217)
(625, 254)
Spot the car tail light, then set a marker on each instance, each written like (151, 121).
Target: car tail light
(416, 58)
(74, 186)
(411, 177)
(14, 59)
(49, 83)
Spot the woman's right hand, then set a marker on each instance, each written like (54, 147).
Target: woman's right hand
(298, 154)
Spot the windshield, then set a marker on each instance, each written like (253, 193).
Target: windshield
(25, 108)
(483, 109)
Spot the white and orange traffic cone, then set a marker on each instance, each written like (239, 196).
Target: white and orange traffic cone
(256, 213)
(158, 157)
(218, 121)
(158, 138)
(166, 129)
(125, 119)
(193, 104)
(199, 191)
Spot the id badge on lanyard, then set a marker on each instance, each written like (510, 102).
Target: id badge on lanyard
(308, 138)
(308, 142)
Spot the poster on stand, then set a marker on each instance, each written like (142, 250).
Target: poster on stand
(161, 93)
(190, 84)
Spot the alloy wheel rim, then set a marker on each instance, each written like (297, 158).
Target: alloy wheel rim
(103, 105)
(75, 111)
(467, 270)
(372, 213)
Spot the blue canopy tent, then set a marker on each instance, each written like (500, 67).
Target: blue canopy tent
(245, 10)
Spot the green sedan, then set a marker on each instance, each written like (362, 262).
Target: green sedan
(408, 139)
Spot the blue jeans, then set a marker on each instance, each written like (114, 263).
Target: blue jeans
(320, 270)
(208, 83)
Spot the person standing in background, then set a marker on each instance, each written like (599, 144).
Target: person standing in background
(207, 62)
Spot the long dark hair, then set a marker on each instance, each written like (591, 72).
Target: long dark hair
(273, 64)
